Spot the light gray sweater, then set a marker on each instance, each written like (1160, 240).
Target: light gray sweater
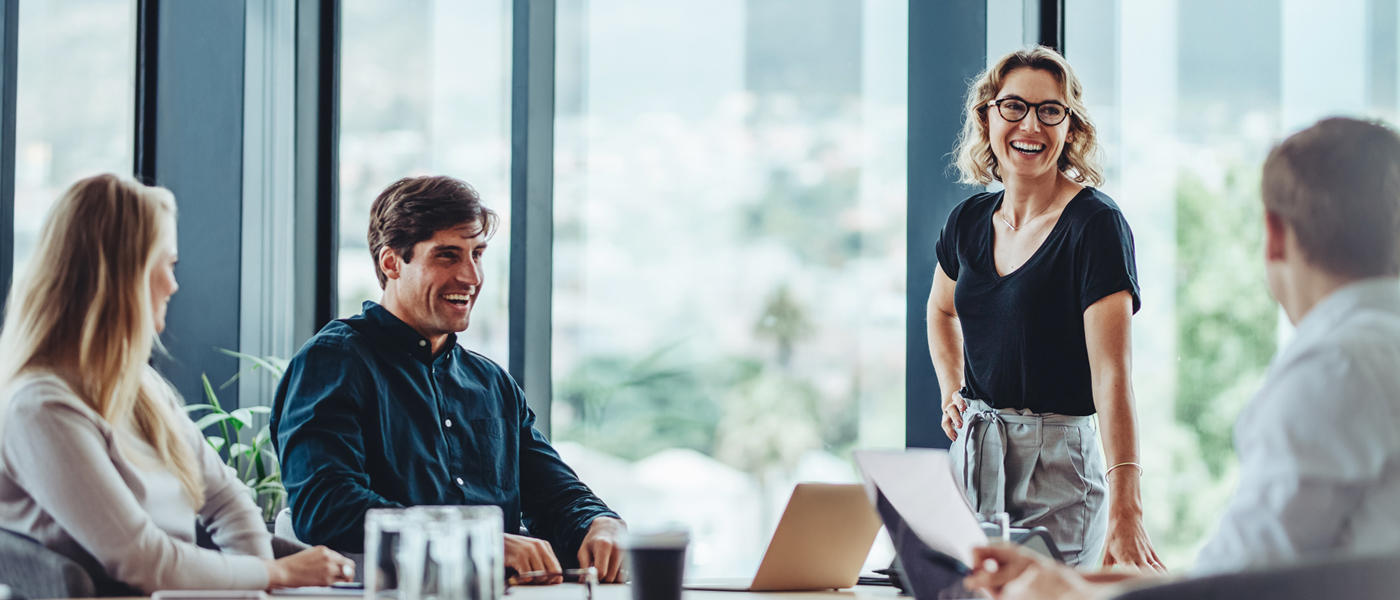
(66, 481)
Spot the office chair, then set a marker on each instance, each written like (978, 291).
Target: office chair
(33, 571)
(1351, 577)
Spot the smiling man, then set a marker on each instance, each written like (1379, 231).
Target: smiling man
(385, 410)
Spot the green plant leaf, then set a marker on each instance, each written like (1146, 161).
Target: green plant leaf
(266, 486)
(223, 423)
(276, 366)
(255, 463)
(256, 455)
(209, 392)
(243, 416)
(211, 419)
(262, 438)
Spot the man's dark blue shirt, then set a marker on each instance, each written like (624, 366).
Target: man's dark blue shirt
(366, 417)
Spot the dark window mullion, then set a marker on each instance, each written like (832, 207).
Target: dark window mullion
(328, 164)
(147, 68)
(1052, 24)
(9, 51)
(532, 202)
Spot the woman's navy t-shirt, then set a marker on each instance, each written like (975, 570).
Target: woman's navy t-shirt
(1023, 333)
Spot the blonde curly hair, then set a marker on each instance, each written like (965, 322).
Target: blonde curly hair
(1080, 159)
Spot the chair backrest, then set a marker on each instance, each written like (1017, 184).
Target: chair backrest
(283, 525)
(33, 571)
(1354, 578)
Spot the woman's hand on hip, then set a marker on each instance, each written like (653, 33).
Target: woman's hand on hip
(953, 409)
(1128, 545)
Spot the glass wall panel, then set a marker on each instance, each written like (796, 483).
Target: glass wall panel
(729, 255)
(1189, 96)
(425, 90)
(73, 112)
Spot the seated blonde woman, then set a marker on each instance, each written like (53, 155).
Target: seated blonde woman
(97, 461)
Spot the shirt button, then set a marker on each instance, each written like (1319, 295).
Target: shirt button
(459, 481)
(448, 423)
(422, 342)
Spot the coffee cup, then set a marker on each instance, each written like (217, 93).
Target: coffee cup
(657, 562)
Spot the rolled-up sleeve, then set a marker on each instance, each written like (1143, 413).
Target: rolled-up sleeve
(321, 445)
(555, 504)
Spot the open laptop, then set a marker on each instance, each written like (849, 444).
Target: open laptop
(821, 542)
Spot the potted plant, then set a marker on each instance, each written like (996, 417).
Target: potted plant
(254, 462)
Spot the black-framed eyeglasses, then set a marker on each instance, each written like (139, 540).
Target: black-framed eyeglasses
(1050, 112)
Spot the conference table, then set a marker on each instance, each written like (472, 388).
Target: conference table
(575, 591)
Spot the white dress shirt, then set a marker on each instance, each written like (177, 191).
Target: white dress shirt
(98, 495)
(1319, 444)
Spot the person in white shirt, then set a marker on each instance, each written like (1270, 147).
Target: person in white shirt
(1319, 444)
(97, 460)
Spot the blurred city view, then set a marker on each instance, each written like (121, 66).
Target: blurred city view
(1189, 96)
(729, 255)
(75, 80)
(425, 90)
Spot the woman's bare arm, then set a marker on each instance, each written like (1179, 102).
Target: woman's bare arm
(945, 345)
(1108, 333)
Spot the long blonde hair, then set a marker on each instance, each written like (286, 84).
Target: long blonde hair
(975, 161)
(82, 309)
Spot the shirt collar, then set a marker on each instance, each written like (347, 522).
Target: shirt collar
(1378, 293)
(403, 335)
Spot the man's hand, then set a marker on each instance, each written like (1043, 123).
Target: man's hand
(1007, 572)
(527, 554)
(602, 548)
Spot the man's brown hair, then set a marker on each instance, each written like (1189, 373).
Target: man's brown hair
(1337, 184)
(414, 209)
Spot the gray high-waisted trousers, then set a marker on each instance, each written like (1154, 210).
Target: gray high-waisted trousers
(1042, 469)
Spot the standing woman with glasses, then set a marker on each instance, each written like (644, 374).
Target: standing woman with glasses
(1029, 319)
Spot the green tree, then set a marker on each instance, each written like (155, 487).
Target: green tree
(807, 218)
(635, 407)
(1226, 321)
(785, 322)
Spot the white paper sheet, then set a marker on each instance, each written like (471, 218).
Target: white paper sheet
(919, 484)
(319, 591)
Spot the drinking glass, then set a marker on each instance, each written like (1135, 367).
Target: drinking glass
(486, 545)
(452, 553)
(383, 534)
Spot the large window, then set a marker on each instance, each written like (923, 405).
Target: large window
(1189, 96)
(74, 96)
(425, 90)
(729, 255)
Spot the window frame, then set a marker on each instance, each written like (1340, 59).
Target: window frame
(947, 46)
